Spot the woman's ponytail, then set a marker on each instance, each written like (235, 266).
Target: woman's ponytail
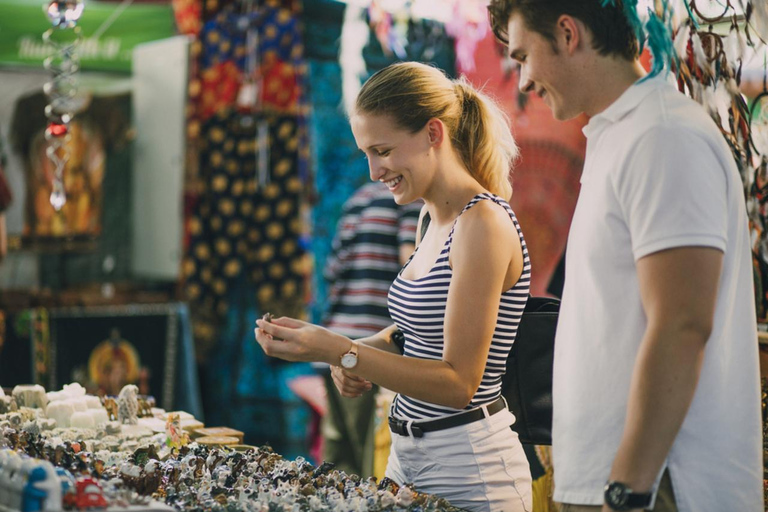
(483, 140)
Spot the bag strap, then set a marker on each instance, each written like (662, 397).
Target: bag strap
(424, 225)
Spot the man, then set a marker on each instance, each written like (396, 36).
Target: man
(656, 380)
(374, 238)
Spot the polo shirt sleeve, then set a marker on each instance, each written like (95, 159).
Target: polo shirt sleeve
(407, 222)
(672, 191)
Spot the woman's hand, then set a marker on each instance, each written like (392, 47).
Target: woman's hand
(349, 385)
(294, 340)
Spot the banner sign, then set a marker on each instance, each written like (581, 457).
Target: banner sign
(110, 31)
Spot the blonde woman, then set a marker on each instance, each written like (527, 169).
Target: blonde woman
(458, 300)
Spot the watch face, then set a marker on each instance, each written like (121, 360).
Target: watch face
(616, 495)
(349, 360)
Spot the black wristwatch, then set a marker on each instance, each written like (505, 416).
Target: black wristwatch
(619, 496)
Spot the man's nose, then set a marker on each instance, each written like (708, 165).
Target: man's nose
(526, 84)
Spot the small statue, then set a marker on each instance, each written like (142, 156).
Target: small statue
(145, 406)
(30, 395)
(110, 405)
(42, 490)
(128, 405)
(175, 437)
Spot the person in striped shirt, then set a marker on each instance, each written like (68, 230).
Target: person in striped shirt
(374, 237)
(457, 301)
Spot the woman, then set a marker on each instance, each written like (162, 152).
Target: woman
(458, 300)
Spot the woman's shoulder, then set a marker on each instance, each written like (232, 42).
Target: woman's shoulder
(488, 217)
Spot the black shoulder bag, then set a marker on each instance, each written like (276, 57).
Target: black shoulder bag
(527, 383)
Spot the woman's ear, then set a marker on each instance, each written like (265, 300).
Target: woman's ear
(435, 132)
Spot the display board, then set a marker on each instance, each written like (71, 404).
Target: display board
(159, 100)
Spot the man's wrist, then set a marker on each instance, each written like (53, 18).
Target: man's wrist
(621, 497)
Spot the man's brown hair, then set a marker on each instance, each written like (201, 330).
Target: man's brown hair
(611, 31)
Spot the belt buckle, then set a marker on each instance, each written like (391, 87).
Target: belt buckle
(397, 426)
(401, 427)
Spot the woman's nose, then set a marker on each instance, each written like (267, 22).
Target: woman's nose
(376, 170)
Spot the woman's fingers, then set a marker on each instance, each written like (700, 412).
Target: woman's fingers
(289, 322)
(275, 330)
(349, 385)
(273, 347)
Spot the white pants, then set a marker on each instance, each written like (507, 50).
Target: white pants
(480, 466)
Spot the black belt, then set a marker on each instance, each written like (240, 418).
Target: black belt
(411, 428)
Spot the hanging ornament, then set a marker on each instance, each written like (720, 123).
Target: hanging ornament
(63, 37)
(64, 13)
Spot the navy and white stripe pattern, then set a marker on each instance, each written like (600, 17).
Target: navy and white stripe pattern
(418, 308)
(366, 258)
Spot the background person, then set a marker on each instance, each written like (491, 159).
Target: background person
(374, 238)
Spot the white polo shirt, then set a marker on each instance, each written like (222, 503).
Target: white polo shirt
(657, 175)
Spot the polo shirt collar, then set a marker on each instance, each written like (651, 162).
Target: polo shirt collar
(626, 103)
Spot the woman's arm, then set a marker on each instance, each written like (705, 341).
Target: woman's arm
(481, 251)
(382, 340)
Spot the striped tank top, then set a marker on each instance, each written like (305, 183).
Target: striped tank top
(418, 306)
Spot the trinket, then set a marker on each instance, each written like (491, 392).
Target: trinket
(128, 405)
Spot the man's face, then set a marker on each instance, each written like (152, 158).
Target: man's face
(544, 68)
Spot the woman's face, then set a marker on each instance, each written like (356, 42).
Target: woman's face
(402, 160)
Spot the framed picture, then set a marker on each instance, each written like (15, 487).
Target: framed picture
(105, 348)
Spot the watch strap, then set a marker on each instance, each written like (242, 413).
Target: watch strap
(639, 499)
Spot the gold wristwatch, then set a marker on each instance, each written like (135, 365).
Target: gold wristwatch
(349, 360)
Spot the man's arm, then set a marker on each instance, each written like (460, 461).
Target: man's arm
(678, 289)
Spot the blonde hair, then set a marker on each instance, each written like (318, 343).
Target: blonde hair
(412, 93)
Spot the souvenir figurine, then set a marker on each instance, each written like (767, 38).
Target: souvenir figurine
(88, 494)
(111, 406)
(42, 492)
(145, 406)
(32, 396)
(127, 405)
(175, 436)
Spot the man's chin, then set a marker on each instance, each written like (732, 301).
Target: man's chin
(563, 114)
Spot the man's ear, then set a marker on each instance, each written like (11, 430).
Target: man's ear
(435, 132)
(569, 33)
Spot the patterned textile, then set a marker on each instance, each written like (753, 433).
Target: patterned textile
(227, 62)
(220, 84)
(244, 229)
(188, 16)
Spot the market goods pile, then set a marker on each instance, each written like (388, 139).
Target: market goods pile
(45, 467)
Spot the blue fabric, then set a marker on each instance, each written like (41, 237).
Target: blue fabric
(224, 37)
(248, 391)
(339, 167)
(187, 396)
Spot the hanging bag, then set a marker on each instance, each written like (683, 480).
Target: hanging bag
(527, 383)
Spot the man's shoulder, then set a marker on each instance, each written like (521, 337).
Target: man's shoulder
(668, 110)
